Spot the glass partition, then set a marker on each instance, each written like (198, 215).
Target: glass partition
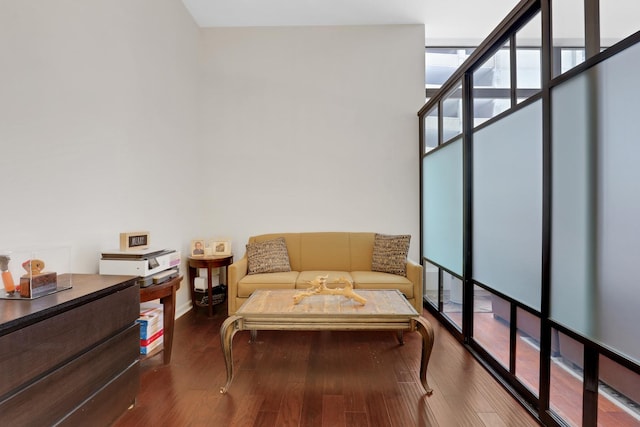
(452, 298)
(430, 132)
(528, 350)
(491, 87)
(596, 204)
(442, 195)
(431, 283)
(572, 241)
(568, 34)
(507, 205)
(618, 19)
(452, 113)
(535, 195)
(529, 59)
(618, 204)
(566, 382)
(491, 322)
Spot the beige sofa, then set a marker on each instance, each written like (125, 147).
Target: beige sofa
(338, 254)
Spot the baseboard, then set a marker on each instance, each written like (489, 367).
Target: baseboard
(183, 309)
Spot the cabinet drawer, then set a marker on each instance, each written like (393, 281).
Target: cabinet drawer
(77, 383)
(30, 352)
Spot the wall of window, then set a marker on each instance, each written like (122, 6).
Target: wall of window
(528, 207)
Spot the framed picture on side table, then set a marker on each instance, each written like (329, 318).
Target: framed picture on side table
(197, 247)
(221, 247)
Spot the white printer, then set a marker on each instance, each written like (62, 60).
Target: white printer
(147, 264)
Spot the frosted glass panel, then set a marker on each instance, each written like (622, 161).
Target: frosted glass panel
(507, 205)
(618, 221)
(442, 199)
(595, 240)
(572, 234)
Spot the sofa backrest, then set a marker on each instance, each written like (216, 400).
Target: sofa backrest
(338, 251)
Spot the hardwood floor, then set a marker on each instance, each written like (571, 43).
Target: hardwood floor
(322, 379)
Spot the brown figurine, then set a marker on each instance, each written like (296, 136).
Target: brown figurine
(36, 282)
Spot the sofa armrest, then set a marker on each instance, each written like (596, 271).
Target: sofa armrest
(236, 272)
(414, 274)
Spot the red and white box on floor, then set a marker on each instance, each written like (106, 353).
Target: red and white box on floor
(151, 322)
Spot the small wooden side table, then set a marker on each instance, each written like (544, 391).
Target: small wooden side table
(208, 262)
(167, 293)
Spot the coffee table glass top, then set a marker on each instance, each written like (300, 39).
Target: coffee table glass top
(280, 302)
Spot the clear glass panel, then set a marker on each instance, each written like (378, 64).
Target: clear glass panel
(452, 113)
(528, 61)
(618, 395)
(452, 298)
(507, 205)
(570, 57)
(442, 201)
(491, 87)
(491, 320)
(618, 20)
(431, 130)
(528, 57)
(565, 393)
(568, 31)
(430, 290)
(528, 350)
(441, 63)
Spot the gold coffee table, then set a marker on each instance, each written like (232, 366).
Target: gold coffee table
(275, 310)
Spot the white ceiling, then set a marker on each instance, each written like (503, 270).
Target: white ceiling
(449, 21)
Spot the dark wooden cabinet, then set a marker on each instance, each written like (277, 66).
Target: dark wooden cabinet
(71, 358)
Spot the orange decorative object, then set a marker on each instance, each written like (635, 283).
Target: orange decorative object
(7, 278)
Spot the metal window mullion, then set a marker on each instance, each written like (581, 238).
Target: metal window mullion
(548, 63)
(591, 28)
(467, 190)
(513, 69)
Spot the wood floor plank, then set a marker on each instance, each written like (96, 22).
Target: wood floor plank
(356, 419)
(316, 379)
(333, 412)
(290, 411)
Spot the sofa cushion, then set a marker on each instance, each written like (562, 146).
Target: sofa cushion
(390, 254)
(325, 251)
(293, 246)
(377, 280)
(270, 256)
(282, 280)
(306, 276)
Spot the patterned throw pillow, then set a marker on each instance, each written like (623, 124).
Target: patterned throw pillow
(270, 256)
(390, 254)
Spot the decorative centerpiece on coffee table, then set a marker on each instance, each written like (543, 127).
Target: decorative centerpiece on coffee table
(319, 287)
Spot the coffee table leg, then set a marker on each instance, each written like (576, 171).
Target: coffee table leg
(426, 330)
(227, 331)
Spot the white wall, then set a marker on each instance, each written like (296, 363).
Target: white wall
(312, 129)
(98, 125)
(100, 107)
